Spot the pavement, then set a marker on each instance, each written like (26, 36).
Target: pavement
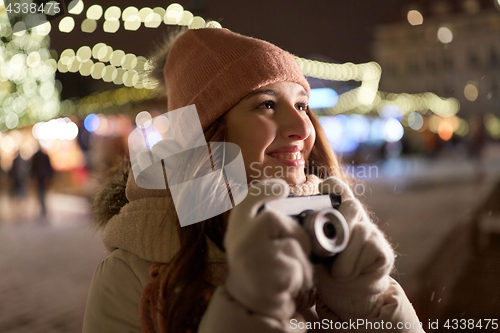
(448, 265)
(47, 264)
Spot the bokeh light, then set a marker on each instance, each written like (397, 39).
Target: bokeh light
(415, 121)
(111, 26)
(144, 13)
(445, 130)
(471, 92)
(153, 20)
(7, 144)
(104, 127)
(323, 98)
(391, 111)
(434, 122)
(109, 73)
(415, 17)
(113, 13)
(89, 25)
(86, 67)
(129, 11)
(132, 23)
(359, 127)
(105, 53)
(33, 59)
(143, 119)
(173, 14)
(94, 12)
(19, 29)
(346, 133)
(76, 6)
(153, 138)
(393, 130)
(118, 79)
(95, 50)
(129, 61)
(66, 55)
(197, 23)
(91, 122)
(84, 53)
(463, 129)
(116, 58)
(445, 35)
(492, 124)
(213, 25)
(161, 123)
(11, 120)
(186, 18)
(160, 11)
(97, 70)
(55, 129)
(66, 24)
(43, 29)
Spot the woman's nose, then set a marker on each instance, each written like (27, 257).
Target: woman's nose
(294, 124)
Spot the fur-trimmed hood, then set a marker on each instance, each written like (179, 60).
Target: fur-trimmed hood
(111, 197)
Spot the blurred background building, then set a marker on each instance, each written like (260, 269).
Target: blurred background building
(450, 50)
(408, 88)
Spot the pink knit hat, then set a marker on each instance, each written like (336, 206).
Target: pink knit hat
(216, 68)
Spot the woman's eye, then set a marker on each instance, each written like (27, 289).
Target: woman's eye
(267, 105)
(302, 107)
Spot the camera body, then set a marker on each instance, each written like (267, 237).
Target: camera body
(320, 218)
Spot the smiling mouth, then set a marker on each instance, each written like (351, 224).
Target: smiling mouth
(289, 159)
(287, 156)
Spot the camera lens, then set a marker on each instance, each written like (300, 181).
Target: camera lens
(329, 230)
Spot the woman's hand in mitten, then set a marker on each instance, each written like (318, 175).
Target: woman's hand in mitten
(352, 285)
(267, 254)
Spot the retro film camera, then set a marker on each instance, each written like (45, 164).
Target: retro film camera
(318, 215)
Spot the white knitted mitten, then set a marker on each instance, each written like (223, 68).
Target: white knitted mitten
(352, 285)
(267, 254)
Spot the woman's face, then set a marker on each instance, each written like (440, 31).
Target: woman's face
(274, 132)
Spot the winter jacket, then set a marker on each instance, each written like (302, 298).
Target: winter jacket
(144, 232)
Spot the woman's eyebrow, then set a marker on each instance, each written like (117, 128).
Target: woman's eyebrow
(261, 91)
(272, 93)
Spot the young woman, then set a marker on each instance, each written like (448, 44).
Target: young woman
(241, 271)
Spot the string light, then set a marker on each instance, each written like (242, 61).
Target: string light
(132, 23)
(173, 14)
(407, 103)
(76, 7)
(129, 69)
(28, 89)
(129, 11)
(111, 26)
(113, 13)
(94, 12)
(66, 24)
(131, 73)
(89, 25)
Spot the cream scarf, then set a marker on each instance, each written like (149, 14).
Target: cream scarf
(146, 226)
